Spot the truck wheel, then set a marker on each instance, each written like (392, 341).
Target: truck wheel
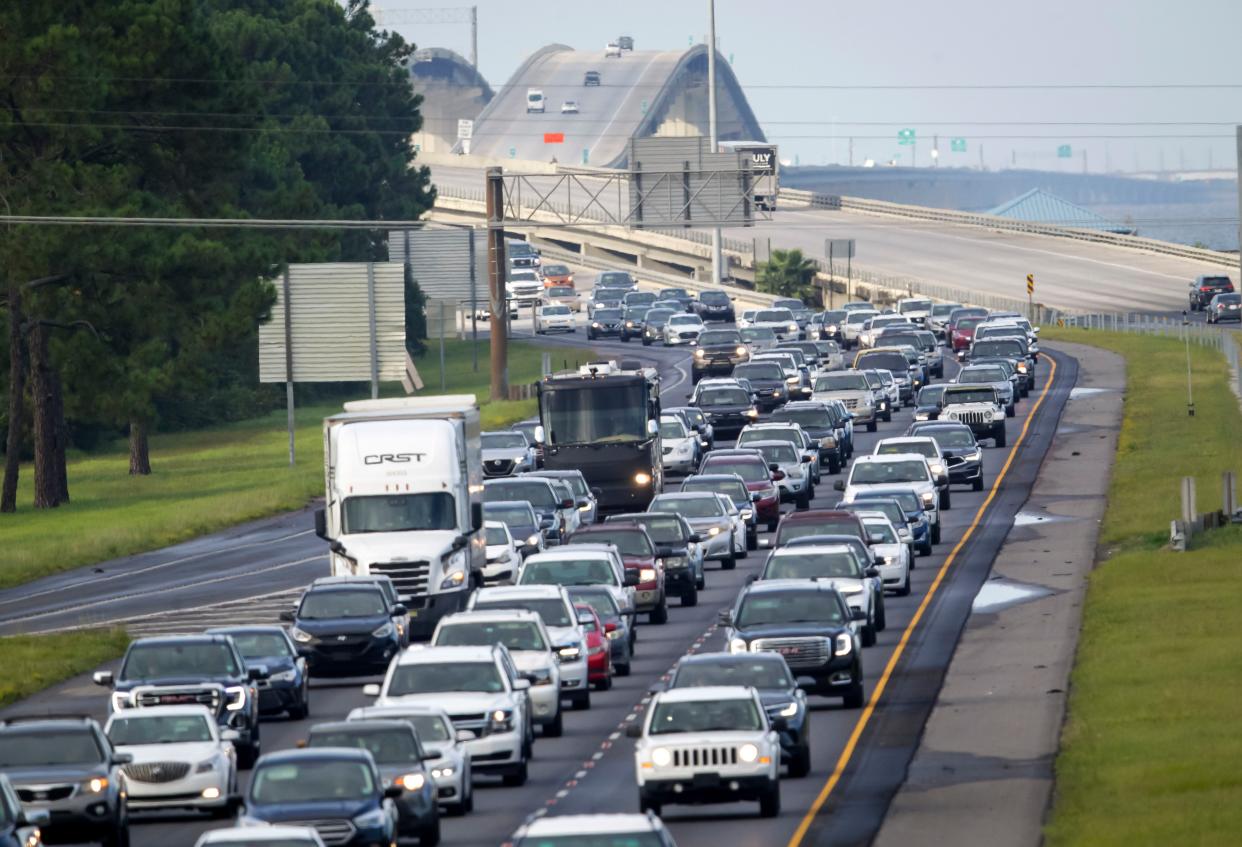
(690, 597)
(935, 534)
(770, 802)
(977, 485)
(659, 615)
(516, 777)
(871, 426)
(557, 727)
(800, 764)
(853, 697)
(999, 437)
(946, 498)
(868, 635)
(729, 563)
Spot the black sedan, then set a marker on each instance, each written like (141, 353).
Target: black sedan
(606, 323)
(714, 306)
(345, 630)
(727, 407)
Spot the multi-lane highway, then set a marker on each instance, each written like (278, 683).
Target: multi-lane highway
(859, 756)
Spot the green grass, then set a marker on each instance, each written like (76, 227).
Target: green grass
(33, 662)
(206, 480)
(1149, 750)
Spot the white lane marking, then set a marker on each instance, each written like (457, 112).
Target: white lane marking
(614, 736)
(96, 580)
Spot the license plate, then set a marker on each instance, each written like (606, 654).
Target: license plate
(706, 780)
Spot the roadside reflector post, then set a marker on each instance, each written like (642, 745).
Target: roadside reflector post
(1189, 506)
(1228, 494)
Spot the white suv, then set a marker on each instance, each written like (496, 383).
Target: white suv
(707, 745)
(583, 564)
(895, 472)
(481, 690)
(780, 321)
(553, 604)
(530, 646)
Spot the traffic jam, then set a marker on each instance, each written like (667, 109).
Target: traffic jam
(485, 586)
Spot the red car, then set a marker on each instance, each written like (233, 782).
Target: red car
(962, 335)
(819, 522)
(758, 476)
(599, 656)
(638, 552)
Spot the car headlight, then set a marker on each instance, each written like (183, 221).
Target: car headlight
(738, 645)
(595, 325)
(95, 785)
(371, 819)
(886, 560)
(205, 767)
(675, 562)
(922, 416)
(790, 710)
(453, 580)
(699, 354)
(792, 380)
(614, 634)
(741, 351)
(713, 531)
(845, 643)
(646, 574)
(642, 478)
(532, 540)
(748, 753)
(928, 498)
(569, 652)
(383, 631)
(541, 676)
(301, 636)
(661, 757)
(629, 324)
(684, 447)
(828, 441)
(937, 467)
(754, 413)
(793, 326)
(850, 591)
(975, 456)
(987, 416)
(237, 698)
(121, 700)
(34, 838)
(411, 781)
(444, 772)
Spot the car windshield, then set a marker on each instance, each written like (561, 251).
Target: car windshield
(842, 382)
(672, 429)
(811, 416)
(634, 313)
(925, 448)
(319, 781)
(968, 395)
(198, 660)
(555, 310)
(342, 603)
(639, 298)
(759, 371)
(538, 492)
(607, 314)
(755, 672)
(724, 397)
(953, 437)
(1229, 298)
(551, 609)
(908, 500)
(387, 746)
(720, 336)
(914, 306)
(518, 514)
(943, 310)
(774, 316)
(400, 512)
(886, 361)
(871, 473)
(999, 347)
(890, 508)
(160, 729)
(930, 395)
(705, 716)
(982, 375)
(261, 645)
(685, 320)
(516, 635)
(435, 677)
(631, 542)
(690, 507)
(714, 298)
(969, 322)
(674, 294)
(658, 315)
(750, 470)
(859, 317)
(757, 333)
(521, 248)
(804, 565)
(750, 436)
(604, 604)
(882, 531)
(734, 490)
(495, 535)
(617, 279)
(588, 571)
(555, 270)
(35, 748)
(778, 454)
(588, 415)
(784, 607)
(836, 525)
(561, 291)
(503, 440)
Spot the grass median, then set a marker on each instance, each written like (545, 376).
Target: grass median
(1149, 747)
(210, 479)
(34, 662)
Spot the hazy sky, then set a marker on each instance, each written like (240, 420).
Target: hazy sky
(905, 43)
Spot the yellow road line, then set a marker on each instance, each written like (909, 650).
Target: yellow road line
(865, 716)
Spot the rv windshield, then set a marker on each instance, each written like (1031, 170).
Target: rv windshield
(400, 512)
(591, 414)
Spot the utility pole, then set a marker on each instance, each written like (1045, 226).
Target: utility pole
(1239, 130)
(712, 134)
(496, 267)
(851, 152)
(474, 37)
(1084, 160)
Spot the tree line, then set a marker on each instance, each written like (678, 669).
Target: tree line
(274, 109)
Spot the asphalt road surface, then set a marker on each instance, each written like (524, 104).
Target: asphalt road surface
(859, 756)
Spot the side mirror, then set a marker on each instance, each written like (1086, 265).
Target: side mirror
(858, 615)
(321, 523)
(392, 792)
(400, 609)
(476, 516)
(751, 578)
(806, 460)
(634, 730)
(875, 539)
(287, 617)
(653, 427)
(872, 572)
(230, 735)
(772, 466)
(583, 502)
(236, 802)
(429, 756)
(838, 485)
(598, 492)
(256, 673)
(34, 817)
(539, 434)
(664, 551)
(122, 758)
(371, 689)
(104, 678)
(725, 618)
(696, 538)
(630, 578)
(765, 542)
(521, 684)
(464, 735)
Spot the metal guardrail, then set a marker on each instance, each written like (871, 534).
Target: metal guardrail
(1203, 335)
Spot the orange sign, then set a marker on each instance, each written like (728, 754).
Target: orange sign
(554, 138)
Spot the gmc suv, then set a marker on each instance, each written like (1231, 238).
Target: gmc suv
(1204, 288)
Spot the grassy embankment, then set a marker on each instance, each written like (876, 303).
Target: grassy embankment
(34, 662)
(210, 479)
(1150, 746)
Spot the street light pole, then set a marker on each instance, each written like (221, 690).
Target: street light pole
(712, 134)
(1190, 396)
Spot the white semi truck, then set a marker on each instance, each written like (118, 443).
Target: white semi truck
(404, 481)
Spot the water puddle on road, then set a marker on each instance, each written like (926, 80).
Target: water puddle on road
(997, 594)
(1035, 518)
(1077, 392)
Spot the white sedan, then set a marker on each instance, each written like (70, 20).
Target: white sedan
(182, 760)
(682, 329)
(891, 553)
(554, 319)
(680, 446)
(569, 107)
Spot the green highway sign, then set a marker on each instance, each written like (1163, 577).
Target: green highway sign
(905, 136)
(1064, 151)
(957, 145)
(586, 156)
(512, 152)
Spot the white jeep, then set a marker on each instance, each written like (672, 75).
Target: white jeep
(977, 406)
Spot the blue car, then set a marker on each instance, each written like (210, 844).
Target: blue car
(345, 630)
(336, 790)
(911, 507)
(287, 688)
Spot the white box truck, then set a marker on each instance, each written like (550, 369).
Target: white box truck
(404, 481)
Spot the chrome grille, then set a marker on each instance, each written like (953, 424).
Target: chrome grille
(333, 832)
(209, 697)
(409, 578)
(156, 771)
(498, 467)
(968, 417)
(704, 757)
(850, 402)
(798, 652)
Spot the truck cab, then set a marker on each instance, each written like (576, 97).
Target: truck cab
(404, 482)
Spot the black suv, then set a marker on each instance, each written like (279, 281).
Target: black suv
(178, 670)
(590, 78)
(768, 381)
(727, 407)
(768, 674)
(606, 323)
(808, 623)
(961, 450)
(718, 352)
(714, 306)
(820, 422)
(1204, 288)
(65, 768)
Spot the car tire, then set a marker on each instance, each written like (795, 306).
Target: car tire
(800, 762)
(881, 615)
(701, 581)
(659, 615)
(646, 341)
(935, 534)
(1011, 410)
(691, 597)
(903, 590)
(622, 670)
(772, 526)
(925, 549)
(977, 485)
(119, 836)
(430, 836)
(770, 802)
(557, 728)
(728, 564)
(606, 685)
(625, 339)
(834, 465)
(247, 756)
(854, 696)
(888, 416)
(946, 498)
(590, 335)
(999, 438)
(752, 539)
(517, 777)
(871, 427)
(803, 501)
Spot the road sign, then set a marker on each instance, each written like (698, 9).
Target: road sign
(1030, 284)
(839, 248)
(957, 145)
(1065, 151)
(644, 107)
(512, 152)
(554, 138)
(905, 136)
(586, 155)
(465, 129)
